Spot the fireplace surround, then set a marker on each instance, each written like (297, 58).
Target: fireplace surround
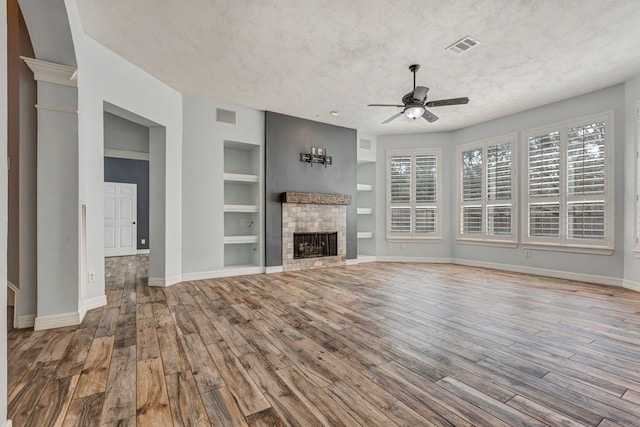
(313, 214)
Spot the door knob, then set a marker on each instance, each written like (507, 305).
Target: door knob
(134, 222)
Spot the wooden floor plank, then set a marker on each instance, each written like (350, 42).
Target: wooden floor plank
(152, 399)
(186, 404)
(373, 344)
(120, 396)
(96, 367)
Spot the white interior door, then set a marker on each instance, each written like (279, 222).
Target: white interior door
(120, 217)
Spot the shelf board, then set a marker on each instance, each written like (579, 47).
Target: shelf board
(365, 211)
(241, 208)
(365, 234)
(363, 187)
(236, 240)
(240, 177)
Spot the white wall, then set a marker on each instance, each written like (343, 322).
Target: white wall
(123, 134)
(631, 263)
(105, 76)
(3, 214)
(609, 268)
(203, 186)
(438, 250)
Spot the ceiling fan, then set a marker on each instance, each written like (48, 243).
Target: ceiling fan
(414, 104)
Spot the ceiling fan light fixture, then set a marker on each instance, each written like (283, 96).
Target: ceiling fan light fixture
(414, 112)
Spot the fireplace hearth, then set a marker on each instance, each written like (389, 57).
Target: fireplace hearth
(315, 245)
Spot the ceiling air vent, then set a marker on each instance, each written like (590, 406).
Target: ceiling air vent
(226, 116)
(463, 45)
(365, 144)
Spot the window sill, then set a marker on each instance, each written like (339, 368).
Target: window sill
(414, 239)
(496, 243)
(594, 250)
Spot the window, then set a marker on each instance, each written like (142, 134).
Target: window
(570, 183)
(412, 194)
(486, 210)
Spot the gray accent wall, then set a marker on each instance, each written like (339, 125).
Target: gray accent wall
(285, 138)
(133, 172)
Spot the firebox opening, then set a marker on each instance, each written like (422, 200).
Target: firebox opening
(314, 245)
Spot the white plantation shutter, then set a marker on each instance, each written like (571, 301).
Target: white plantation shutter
(586, 181)
(412, 194)
(544, 185)
(486, 190)
(499, 188)
(569, 184)
(400, 194)
(425, 192)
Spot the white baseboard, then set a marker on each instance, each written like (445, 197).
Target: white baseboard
(366, 258)
(165, 281)
(26, 321)
(630, 284)
(352, 261)
(92, 303)
(7, 423)
(274, 269)
(413, 259)
(226, 272)
(143, 251)
(57, 321)
(580, 277)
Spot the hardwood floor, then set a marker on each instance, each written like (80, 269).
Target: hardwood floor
(380, 344)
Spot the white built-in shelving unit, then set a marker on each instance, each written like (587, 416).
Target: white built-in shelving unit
(366, 197)
(243, 201)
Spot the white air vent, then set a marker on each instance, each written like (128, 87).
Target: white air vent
(365, 144)
(226, 116)
(463, 45)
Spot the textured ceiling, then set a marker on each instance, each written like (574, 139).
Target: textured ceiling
(308, 57)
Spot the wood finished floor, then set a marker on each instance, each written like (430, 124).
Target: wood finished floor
(371, 345)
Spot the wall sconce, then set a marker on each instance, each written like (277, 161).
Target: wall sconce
(317, 155)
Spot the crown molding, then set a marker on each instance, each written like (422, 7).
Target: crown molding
(51, 72)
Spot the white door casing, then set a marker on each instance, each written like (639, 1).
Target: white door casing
(120, 217)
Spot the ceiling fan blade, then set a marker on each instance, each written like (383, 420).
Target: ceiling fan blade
(395, 116)
(420, 93)
(384, 105)
(451, 101)
(429, 116)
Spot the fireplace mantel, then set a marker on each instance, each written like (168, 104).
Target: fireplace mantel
(315, 198)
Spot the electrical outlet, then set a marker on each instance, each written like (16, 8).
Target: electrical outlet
(527, 253)
(143, 241)
(244, 221)
(236, 251)
(389, 246)
(92, 276)
(402, 246)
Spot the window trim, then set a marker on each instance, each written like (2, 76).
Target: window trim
(563, 243)
(412, 237)
(486, 239)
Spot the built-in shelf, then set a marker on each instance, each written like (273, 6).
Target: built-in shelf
(241, 208)
(365, 234)
(237, 240)
(365, 187)
(365, 211)
(240, 177)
